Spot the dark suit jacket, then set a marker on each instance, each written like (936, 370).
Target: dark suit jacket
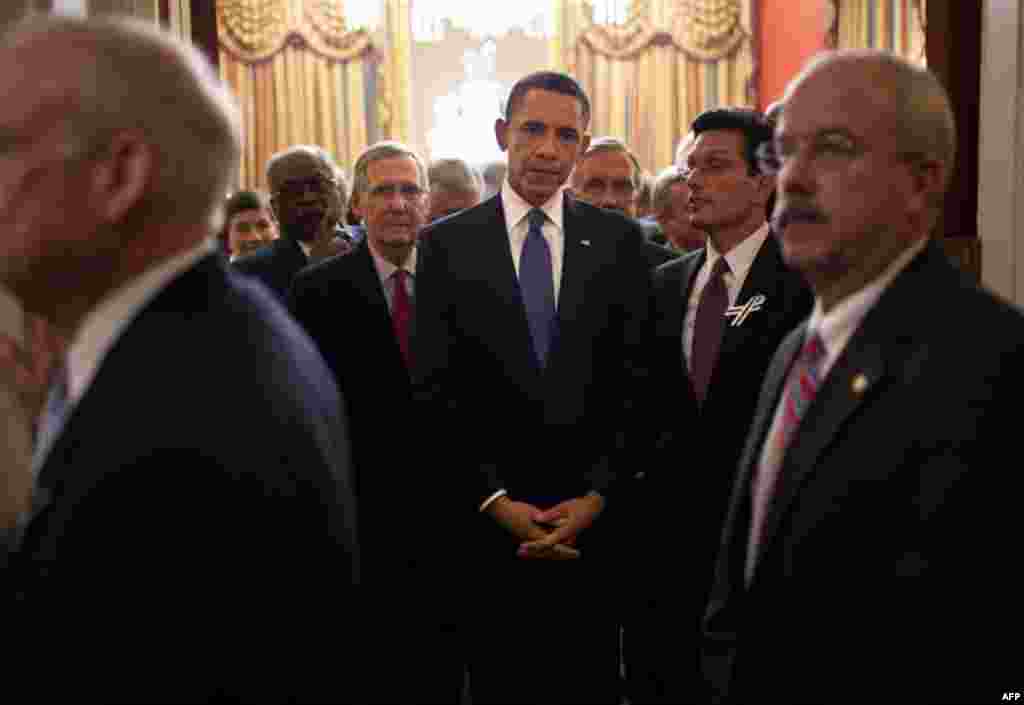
(341, 304)
(887, 564)
(275, 265)
(685, 491)
(196, 540)
(478, 373)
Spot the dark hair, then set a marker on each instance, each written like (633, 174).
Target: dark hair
(237, 202)
(547, 81)
(755, 128)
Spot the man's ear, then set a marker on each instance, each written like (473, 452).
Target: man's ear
(764, 186)
(122, 175)
(501, 133)
(928, 181)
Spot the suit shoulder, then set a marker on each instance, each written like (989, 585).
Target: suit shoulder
(673, 269)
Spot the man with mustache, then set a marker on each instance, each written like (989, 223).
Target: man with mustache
(532, 330)
(722, 311)
(872, 539)
(359, 309)
(308, 199)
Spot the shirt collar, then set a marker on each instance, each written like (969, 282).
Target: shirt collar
(836, 326)
(741, 257)
(103, 325)
(516, 207)
(385, 269)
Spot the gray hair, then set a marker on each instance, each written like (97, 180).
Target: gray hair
(135, 77)
(454, 175)
(685, 144)
(922, 116)
(668, 177)
(613, 144)
(385, 150)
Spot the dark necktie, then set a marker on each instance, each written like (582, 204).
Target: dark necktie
(537, 284)
(401, 313)
(709, 325)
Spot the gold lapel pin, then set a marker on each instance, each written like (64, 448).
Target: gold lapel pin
(859, 384)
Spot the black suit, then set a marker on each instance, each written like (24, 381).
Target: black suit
(686, 503)
(545, 435)
(275, 265)
(888, 559)
(195, 536)
(342, 306)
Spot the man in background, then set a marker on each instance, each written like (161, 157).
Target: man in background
(308, 201)
(672, 210)
(454, 186)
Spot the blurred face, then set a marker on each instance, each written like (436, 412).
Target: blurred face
(605, 179)
(249, 230)
(847, 198)
(49, 215)
(724, 196)
(544, 138)
(674, 220)
(394, 207)
(305, 198)
(443, 203)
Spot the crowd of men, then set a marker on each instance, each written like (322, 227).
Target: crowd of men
(449, 436)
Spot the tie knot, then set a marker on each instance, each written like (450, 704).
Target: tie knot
(814, 348)
(721, 267)
(536, 218)
(399, 276)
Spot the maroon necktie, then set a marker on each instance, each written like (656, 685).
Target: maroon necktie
(708, 327)
(401, 313)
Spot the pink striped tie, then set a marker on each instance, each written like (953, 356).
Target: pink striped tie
(801, 387)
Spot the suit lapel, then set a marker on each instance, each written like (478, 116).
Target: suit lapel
(493, 260)
(763, 280)
(578, 264)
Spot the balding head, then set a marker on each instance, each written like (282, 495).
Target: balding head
(864, 151)
(125, 143)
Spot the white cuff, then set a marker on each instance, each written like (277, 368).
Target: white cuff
(490, 500)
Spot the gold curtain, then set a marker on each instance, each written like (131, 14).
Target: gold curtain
(895, 25)
(649, 78)
(300, 76)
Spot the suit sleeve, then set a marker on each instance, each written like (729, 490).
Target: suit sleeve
(629, 436)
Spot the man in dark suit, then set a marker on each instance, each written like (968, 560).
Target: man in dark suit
(608, 175)
(368, 296)
(532, 322)
(710, 363)
(307, 193)
(164, 558)
(870, 541)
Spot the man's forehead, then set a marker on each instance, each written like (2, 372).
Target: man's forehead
(606, 162)
(717, 142)
(841, 96)
(550, 107)
(392, 169)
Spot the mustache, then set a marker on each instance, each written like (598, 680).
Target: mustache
(788, 213)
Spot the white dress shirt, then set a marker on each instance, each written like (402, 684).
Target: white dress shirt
(386, 272)
(835, 329)
(740, 259)
(516, 210)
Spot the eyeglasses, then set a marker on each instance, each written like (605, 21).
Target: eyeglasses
(407, 192)
(828, 150)
(294, 188)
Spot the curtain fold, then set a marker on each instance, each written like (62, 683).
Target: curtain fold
(649, 78)
(297, 75)
(893, 25)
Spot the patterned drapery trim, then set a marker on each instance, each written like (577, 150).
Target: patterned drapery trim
(704, 30)
(254, 31)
